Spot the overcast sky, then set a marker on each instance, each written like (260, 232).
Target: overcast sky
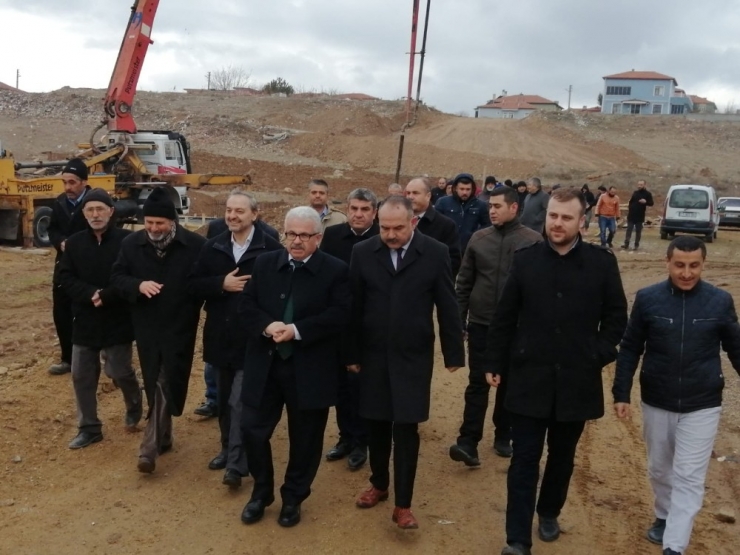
(475, 48)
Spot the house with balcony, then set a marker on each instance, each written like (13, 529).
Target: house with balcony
(516, 106)
(644, 92)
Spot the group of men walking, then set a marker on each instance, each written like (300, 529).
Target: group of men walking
(342, 315)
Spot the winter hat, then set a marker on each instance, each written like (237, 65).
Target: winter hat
(490, 179)
(99, 195)
(77, 167)
(159, 205)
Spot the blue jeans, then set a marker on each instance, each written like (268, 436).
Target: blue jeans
(607, 224)
(210, 374)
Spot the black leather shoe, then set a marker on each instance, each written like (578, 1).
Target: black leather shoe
(655, 532)
(339, 451)
(84, 439)
(669, 551)
(255, 510)
(133, 415)
(357, 458)
(549, 529)
(502, 447)
(59, 369)
(218, 462)
(463, 454)
(290, 515)
(516, 549)
(232, 478)
(209, 410)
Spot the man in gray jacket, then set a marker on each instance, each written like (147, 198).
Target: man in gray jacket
(484, 270)
(535, 205)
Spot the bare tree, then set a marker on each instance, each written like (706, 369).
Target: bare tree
(229, 78)
(730, 107)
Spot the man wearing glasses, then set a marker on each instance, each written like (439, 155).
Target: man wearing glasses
(294, 309)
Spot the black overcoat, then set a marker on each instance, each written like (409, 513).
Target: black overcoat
(321, 302)
(64, 222)
(224, 338)
(165, 326)
(393, 329)
(557, 324)
(443, 229)
(339, 240)
(84, 269)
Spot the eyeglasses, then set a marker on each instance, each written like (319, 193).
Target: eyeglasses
(292, 236)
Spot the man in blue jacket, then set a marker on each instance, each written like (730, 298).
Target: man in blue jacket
(464, 208)
(679, 325)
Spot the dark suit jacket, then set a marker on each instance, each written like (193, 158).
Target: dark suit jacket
(339, 240)
(224, 341)
(392, 327)
(65, 221)
(218, 226)
(443, 229)
(321, 305)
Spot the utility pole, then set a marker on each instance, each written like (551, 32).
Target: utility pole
(209, 80)
(17, 77)
(570, 91)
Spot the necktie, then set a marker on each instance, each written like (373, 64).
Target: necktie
(285, 350)
(399, 257)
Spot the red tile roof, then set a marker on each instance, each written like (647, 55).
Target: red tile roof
(641, 75)
(517, 102)
(700, 100)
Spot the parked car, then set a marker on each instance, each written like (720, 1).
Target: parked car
(729, 211)
(690, 209)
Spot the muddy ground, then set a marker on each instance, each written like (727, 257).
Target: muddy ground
(54, 500)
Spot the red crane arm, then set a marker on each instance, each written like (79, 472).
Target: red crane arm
(119, 99)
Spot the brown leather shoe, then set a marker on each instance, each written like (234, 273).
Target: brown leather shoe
(146, 465)
(405, 519)
(371, 497)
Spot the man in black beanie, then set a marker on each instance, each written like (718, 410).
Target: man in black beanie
(66, 219)
(151, 273)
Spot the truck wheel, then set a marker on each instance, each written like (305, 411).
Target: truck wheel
(709, 238)
(41, 220)
(664, 235)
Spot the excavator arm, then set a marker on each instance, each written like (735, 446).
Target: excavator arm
(119, 99)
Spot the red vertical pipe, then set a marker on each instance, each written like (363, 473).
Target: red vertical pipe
(414, 22)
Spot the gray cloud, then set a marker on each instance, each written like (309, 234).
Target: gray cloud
(476, 48)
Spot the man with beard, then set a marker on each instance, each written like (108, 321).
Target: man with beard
(488, 186)
(479, 284)
(521, 191)
(151, 273)
(640, 200)
(318, 199)
(339, 241)
(550, 338)
(431, 223)
(223, 267)
(66, 219)
(398, 278)
(294, 308)
(468, 212)
(607, 209)
(102, 320)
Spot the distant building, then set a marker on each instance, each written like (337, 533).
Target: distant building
(703, 106)
(516, 106)
(643, 92)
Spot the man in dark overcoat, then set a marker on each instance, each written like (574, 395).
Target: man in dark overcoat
(294, 309)
(557, 324)
(66, 219)
(151, 273)
(397, 279)
(102, 319)
(224, 266)
(338, 241)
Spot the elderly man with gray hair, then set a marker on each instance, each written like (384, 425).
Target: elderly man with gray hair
(535, 206)
(293, 311)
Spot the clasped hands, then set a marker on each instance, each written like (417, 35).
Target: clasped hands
(280, 332)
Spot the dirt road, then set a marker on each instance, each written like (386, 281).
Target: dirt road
(93, 501)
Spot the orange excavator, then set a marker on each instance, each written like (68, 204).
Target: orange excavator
(127, 162)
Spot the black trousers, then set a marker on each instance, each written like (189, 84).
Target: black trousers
(63, 319)
(528, 440)
(476, 395)
(403, 440)
(305, 435)
(637, 227)
(352, 427)
(229, 405)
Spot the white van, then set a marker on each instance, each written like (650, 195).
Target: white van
(690, 209)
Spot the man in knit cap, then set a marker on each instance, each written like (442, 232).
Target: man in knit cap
(151, 273)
